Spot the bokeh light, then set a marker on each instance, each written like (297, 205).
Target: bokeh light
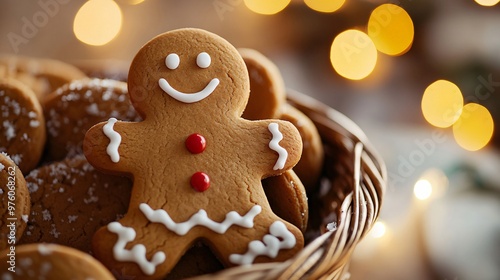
(325, 6)
(474, 128)
(436, 179)
(487, 3)
(422, 189)
(378, 230)
(353, 54)
(97, 22)
(442, 103)
(391, 29)
(266, 7)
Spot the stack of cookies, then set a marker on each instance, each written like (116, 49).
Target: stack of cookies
(194, 164)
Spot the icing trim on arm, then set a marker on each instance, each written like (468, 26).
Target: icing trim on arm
(189, 97)
(115, 139)
(137, 254)
(275, 146)
(269, 246)
(200, 218)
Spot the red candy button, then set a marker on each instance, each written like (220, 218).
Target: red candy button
(200, 181)
(195, 143)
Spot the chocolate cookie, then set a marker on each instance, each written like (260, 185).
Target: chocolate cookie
(42, 75)
(75, 107)
(50, 262)
(23, 124)
(70, 200)
(14, 203)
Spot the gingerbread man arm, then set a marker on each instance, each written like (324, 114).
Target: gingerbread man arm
(105, 144)
(278, 148)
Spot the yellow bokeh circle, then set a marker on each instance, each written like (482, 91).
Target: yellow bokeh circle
(325, 6)
(487, 3)
(97, 22)
(266, 7)
(391, 29)
(474, 128)
(353, 54)
(442, 103)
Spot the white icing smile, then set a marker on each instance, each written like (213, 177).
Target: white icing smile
(189, 97)
(203, 61)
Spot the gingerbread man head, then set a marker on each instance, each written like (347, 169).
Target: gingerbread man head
(186, 67)
(197, 165)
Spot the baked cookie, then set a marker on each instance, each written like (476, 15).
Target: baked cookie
(197, 166)
(50, 262)
(23, 124)
(14, 203)
(42, 75)
(267, 88)
(288, 187)
(268, 100)
(75, 107)
(310, 165)
(70, 200)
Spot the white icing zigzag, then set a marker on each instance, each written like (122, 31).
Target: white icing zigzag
(200, 219)
(137, 254)
(270, 245)
(275, 146)
(115, 139)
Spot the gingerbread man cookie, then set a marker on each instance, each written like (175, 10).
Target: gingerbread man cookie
(197, 165)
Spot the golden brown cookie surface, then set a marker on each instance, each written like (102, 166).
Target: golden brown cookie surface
(22, 123)
(14, 203)
(196, 164)
(285, 190)
(70, 200)
(311, 163)
(267, 88)
(50, 262)
(75, 107)
(42, 75)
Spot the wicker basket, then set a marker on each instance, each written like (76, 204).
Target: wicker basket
(357, 178)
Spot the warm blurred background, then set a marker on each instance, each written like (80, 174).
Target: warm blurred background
(421, 78)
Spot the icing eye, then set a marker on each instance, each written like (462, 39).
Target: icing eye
(203, 60)
(172, 61)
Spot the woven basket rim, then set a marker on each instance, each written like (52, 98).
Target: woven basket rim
(328, 256)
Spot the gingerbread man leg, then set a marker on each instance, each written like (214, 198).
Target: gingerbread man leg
(272, 239)
(130, 242)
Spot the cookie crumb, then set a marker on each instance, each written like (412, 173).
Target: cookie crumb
(46, 215)
(34, 123)
(24, 218)
(44, 250)
(45, 268)
(25, 262)
(10, 132)
(2, 167)
(54, 231)
(72, 218)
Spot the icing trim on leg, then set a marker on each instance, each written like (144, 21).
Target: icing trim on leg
(269, 246)
(137, 254)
